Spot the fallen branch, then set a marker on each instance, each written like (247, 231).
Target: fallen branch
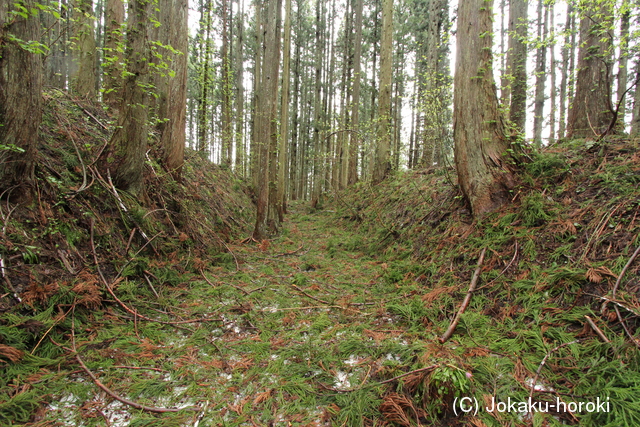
(309, 296)
(467, 299)
(289, 253)
(104, 388)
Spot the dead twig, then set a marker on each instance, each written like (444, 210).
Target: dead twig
(598, 231)
(615, 290)
(618, 303)
(597, 330)
(467, 299)
(151, 286)
(143, 368)
(544, 361)
(274, 310)
(131, 311)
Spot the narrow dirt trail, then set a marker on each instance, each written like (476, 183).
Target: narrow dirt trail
(300, 331)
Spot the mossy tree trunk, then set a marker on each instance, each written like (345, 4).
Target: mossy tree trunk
(479, 131)
(20, 100)
(204, 77)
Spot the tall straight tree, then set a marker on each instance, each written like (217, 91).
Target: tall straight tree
(317, 109)
(541, 74)
(284, 116)
(517, 63)
(589, 114)
(355, 104)
(20, 98)
(552, 70)
(112, 56)
(266, 119)
(171, 87)
(227, 88)
(257, 79)
(383, 141)
(479, 131)
(239, 74)
(204, 77)
(128, 143)
(623, 74)
(567, 59)
(83, 75)
(429, 84)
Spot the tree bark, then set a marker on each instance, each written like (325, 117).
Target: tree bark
(205, 60)
(284, 116)
(20, 102)
(254, 157)
(517, 63)
(239, 71)
(484, 173)
(355, 104)
(317, 110)
(539, 98)
(83, 75)
(172, 90)
(635, 118)
(552, 72)
(266, 118)
(227, 128)
(589, 114)
(128, 143)
(382, 165)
